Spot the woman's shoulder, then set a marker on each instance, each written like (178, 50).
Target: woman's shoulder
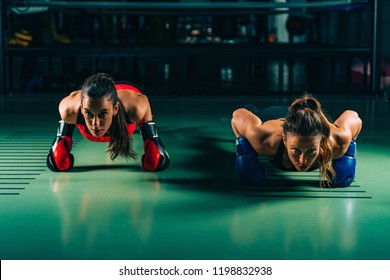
(340, 140)
(268, 137)
(75, 93)
(73, 96)
(70, 106)
(129, 97)
(134, 104)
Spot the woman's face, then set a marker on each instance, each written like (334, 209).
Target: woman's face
(302, 150)
(98, 114)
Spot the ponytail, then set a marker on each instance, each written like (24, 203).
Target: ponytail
(121, 142)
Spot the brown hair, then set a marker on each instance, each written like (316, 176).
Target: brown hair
(102, 85)
(306, 118)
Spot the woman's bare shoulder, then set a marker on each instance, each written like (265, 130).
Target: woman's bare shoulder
(69, 107)
(130, 98)
(267, 137)
(340, 140)
(134, 104)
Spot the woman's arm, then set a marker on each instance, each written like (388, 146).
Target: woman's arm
(348, 126)
(244, 122)
(345, 129)
(69, 106)
(137, 106)
(260, 135)
(60, 157)
(351, 124)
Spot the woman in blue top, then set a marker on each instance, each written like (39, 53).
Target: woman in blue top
(296, 138)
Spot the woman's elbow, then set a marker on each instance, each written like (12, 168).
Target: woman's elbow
(355, 123)
(355, 116)
(237, 120)
(238, 113)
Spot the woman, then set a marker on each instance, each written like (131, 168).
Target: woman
(299, 138)
(107, 112)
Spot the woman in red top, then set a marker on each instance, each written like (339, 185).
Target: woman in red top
(105, 111)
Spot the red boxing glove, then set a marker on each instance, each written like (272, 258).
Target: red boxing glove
(155, 158)
(59, 157)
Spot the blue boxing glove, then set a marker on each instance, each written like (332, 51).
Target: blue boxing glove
(248, 167)
(345, 167)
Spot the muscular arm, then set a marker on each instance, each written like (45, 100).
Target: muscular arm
(137, 108)
(260, 135)
(346, 128)
(69, 107)
(350, 122)
(244, 122)
(136, 105)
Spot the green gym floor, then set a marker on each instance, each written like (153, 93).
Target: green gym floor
(196, 209)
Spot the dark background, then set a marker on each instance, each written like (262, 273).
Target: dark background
(212, 50)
